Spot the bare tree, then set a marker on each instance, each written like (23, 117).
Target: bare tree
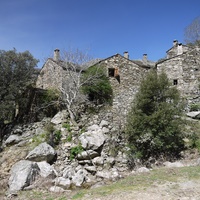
(75, 63)
(192, 32)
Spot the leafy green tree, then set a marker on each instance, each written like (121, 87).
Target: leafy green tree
(97, 85)
(154, 125)
(16, 73)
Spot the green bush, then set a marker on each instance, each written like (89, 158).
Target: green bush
(96, 85)
(53, 136)
(195, 107)
(75, 151)
(67, 126)
(154, 125)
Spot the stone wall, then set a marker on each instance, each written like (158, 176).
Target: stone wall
(177, 49)
(125, 84)
(184, 72)
(50, 75)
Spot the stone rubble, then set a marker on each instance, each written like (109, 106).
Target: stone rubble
(101, 159)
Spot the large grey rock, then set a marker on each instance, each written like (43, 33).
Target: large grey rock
(60, 117)
(194, 114)
(68, 172)
(43, 152)
(93, 127)
(99, 161)
(93, 138)
(56, 189)
(198, 162)
(104, 123)
(79, 177)
(63, 182)
(143, 170)
(46, 170)
(12, 139)
(173, 165)
(109, 175)
(23, 174)
(91, 169)
(87, 155)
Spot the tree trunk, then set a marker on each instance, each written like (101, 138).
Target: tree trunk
(71, 115)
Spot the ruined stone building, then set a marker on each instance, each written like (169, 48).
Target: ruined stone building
(182, 66)
(51, 74)
(124, 74)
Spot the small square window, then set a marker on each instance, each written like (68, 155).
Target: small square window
(175, 82)
(111, 72)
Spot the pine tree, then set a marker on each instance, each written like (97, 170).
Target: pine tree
(154, 125)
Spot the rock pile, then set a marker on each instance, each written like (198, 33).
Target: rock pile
(85, 156)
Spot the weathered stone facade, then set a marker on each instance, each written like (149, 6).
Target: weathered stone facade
(183, 70)
(177, 49)
(182, 65)
(51, 75)
(125, 76)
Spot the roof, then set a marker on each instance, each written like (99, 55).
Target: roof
(176, 46)
(139, 63)
(176, 56)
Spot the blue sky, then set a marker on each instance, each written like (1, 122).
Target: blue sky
(102, 27)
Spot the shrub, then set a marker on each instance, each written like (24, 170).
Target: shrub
(195, 107)
(96, 85)
(154, 125)
(53, 136)
(67, 126)
(75, 151)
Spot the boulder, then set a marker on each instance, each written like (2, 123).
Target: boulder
(109, 175)
(172, 165)
(198, 162)
(194, 114)
(12, 139)
(56, 189)
(63, 182)
(79, 177)
(92, 139)
(68, 172)
(46, 170)
(110, 161)
(87, 155)
(60, 117)
(105, 130)
(23, 174)
(99, 161)
(143, 170)
(43, 152)
(104, 123)
(91, 169)
(93, 127)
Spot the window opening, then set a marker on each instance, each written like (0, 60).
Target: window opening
(175, 82)
(111, 72)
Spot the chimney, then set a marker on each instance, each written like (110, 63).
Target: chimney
(175, 43)
(56, 55)
(126, 55)
(144, 59)
(180, 49)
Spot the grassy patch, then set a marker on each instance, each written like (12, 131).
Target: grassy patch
(141, 182)
(131, 183)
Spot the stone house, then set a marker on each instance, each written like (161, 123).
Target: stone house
(52, 73)
(124, 75)
(182, 66)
